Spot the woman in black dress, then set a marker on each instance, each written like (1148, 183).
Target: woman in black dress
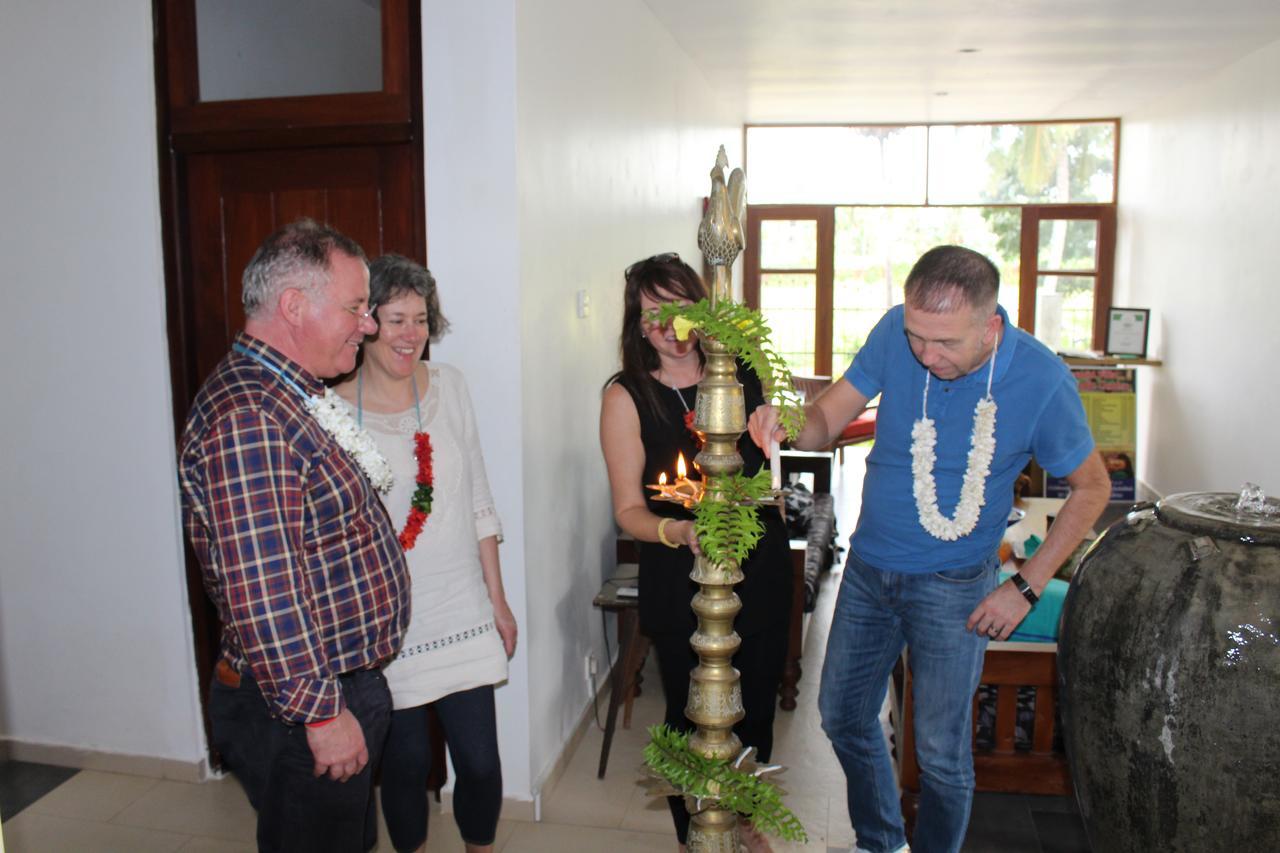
(644, 423)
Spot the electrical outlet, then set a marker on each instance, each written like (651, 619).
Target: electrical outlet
(592, 668)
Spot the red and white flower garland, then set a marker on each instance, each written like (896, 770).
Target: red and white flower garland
(420, 503)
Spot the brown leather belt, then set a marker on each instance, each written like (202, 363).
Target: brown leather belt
(226, 675)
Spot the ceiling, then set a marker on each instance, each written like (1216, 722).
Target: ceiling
(959, 60)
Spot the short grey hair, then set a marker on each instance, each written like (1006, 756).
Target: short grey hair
(296, 255)
(391, 276)
(947, 279)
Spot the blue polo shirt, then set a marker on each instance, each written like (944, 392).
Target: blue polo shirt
(1038, 413)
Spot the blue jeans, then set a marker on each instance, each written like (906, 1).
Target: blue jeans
(876, 614)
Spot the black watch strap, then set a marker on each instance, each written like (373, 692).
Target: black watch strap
(1025, 588)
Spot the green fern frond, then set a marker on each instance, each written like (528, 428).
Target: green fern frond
(744, 333)
(758, 800)
(726, 520)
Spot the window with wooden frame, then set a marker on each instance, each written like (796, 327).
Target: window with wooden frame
(785, 268)
(841, 213)
(1068, 257)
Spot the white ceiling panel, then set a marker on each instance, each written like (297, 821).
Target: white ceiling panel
(959, 60)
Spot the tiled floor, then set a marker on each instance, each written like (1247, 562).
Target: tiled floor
(22, 783)
(95, 811)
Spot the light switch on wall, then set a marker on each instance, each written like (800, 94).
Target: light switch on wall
(584, 304)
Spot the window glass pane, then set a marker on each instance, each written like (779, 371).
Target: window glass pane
(836, 165)
(284, 48)
(787, 302)
(1022, 163)
(876, 247)
(1064, 311)
(788, 244)
(1068, 244)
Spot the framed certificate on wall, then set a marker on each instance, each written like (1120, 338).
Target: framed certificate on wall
(1127, 331)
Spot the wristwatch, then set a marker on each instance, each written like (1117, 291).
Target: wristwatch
(1025, 588)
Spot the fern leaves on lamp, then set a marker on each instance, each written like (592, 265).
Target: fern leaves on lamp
(744, 333)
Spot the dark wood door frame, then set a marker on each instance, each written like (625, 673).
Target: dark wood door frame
(192, 131)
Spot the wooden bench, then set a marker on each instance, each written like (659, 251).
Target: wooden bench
(1007, 766)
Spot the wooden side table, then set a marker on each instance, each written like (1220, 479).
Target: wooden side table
(632, 649)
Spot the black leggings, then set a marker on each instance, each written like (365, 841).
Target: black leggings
(760, 661)
(470, 730)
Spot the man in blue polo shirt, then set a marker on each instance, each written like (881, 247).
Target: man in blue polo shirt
(966, 399)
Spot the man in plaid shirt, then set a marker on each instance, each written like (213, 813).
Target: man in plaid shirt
(298, 554)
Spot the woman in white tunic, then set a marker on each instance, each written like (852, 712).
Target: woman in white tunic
(461, 631)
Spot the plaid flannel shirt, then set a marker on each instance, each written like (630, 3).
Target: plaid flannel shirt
(299, 557)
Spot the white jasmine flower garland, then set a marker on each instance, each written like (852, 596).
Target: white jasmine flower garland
(334, 416)
(982, 449)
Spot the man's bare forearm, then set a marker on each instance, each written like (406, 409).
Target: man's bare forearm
(815, 434)
(1089, 496)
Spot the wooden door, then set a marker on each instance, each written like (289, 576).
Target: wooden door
(234, 170)
(235, 199)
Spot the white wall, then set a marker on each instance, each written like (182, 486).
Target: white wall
(617, 133)
(469, 97)
(1199, 191)
(565, 139)
(95, 643)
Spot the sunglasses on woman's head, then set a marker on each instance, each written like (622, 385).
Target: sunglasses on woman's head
(664, 258)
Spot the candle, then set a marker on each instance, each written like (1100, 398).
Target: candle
(775, 463)
(682, 490)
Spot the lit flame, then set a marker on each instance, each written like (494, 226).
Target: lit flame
(662, 478)
(682, 470)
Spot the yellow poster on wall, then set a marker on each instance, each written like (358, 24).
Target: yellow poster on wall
(1111, 405)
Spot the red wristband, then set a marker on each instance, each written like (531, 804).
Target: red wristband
(315, 724)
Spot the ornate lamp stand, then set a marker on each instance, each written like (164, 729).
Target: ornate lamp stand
(711, 766)
(715, 692)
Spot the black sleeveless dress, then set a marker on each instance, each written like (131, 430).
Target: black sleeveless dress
(665, 588)
(666, 591)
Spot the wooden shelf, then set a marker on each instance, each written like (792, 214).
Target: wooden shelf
(1110, 361)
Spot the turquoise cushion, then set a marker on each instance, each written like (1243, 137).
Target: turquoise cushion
(1041, 624)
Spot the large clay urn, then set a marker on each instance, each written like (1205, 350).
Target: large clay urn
(1169, 657)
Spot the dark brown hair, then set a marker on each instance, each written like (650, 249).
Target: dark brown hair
(949, 278)
(647, 277)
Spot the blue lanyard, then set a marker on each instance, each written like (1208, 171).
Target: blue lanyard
(417, 408)
(247, 353)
